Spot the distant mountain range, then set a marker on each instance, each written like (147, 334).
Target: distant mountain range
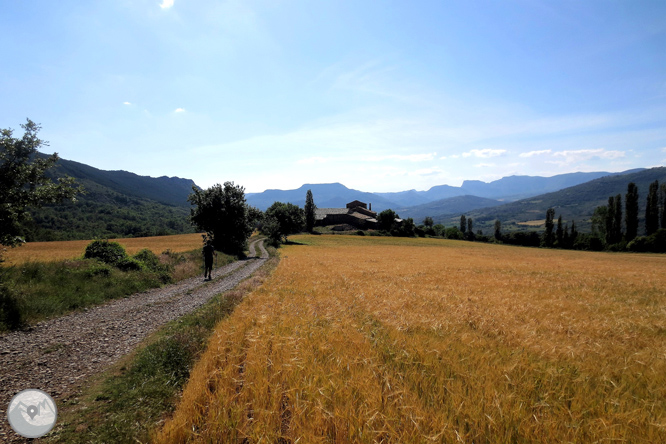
(120, 203)
(574, 196)
(414, 203)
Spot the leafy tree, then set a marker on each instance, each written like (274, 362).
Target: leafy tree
(284, 219)
(548, 234)
(223, 214)
(631, 211)
(566, 239)
(386, 219)
(463, 224)
(255, 216)
(614, 220)
(310, 208)
(610, 217)
(439, 229)
(498, 229)
(652, 209)
(559, 232)
(23, 181)
(428, 222)
(470, 228)
(454, 233)
(599, 222)
(406, 229)
(574, 234)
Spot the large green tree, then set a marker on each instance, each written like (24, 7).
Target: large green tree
(23, 180)
(222, 212)
(631, 211)
(386, 219)
(283, 219)
(309, 209)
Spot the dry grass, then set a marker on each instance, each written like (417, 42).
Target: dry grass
(422, 340)
(64, 250)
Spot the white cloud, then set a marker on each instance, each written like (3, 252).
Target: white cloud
(575, 156)
(179, 110)
(485, 165)
(535, 153)
(484, 153)
(127, 103)
(166, 4)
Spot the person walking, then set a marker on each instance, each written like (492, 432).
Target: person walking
(208, 254)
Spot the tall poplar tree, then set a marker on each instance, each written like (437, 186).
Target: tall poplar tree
(498, 229)
(559, 232)
(310, 208)
(617, 221)
(631, 211)
(548, 234)
(463, 223)
(652, 209)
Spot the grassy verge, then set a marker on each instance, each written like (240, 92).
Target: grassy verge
(127, 402)
(34, 291)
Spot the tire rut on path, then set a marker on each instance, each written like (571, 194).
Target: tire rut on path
(57, 355)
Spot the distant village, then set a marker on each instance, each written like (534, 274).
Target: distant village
(356, 215)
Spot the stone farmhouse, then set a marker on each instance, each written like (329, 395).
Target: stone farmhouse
(355, 215)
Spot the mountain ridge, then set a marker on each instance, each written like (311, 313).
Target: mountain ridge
(508, 188)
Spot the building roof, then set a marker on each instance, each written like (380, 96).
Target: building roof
(321, 213)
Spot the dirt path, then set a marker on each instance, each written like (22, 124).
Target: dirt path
(57, 355)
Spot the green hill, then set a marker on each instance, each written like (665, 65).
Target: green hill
(116, 204)
(573, 203)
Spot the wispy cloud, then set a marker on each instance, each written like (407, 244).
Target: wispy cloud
(127, 103)
(577, 156)
(179, 110)
(166, 4)
(484, 153)
(535, 153)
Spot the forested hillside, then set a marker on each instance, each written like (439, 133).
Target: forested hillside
(115, 204)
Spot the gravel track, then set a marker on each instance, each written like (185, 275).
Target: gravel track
(57, 355)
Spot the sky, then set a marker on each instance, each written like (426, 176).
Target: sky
(378, 95)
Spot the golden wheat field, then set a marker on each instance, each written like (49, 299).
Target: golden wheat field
(422, 340)
(63, 250)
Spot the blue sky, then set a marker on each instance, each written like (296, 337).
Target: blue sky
(377, 95)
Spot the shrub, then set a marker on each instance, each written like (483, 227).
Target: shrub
(110, 253)
(11, 316)
(454, 233)
(360, 233)
(654, 243)
(129, 264)
(149, 259)
(98, 269)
